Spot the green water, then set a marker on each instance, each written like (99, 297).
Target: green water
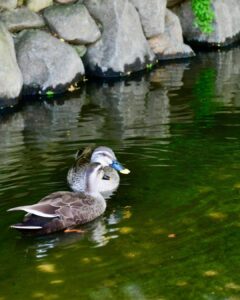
(172, 230)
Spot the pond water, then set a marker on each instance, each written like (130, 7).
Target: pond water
(172, 230)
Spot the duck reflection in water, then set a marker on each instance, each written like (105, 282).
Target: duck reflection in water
(98, 232)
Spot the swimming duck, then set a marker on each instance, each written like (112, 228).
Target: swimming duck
(105, 156)
(61, 210)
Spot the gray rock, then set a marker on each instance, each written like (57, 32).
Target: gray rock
(73, 23)
(171, 3)
(46, 62)
(226, 25)
(170, 45)
(37, 5)
(10, 75)
(8, 4)
(21, 18)
(123, 47)
(152, 14)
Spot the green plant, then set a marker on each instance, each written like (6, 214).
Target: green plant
(50, 94)
(204, 15)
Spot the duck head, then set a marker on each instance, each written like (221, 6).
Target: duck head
(106, 157)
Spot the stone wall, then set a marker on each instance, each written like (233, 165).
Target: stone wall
(49, 46)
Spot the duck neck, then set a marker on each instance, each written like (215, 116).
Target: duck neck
(98, 159)
(91, 187)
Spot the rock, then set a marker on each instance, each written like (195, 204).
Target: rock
(170, 45)
(46, 62)
(65, 1)
(226, 26)
(37, 5)
(171, 3)
(10, 76)
(81, 50)
(21, 18)
(123, 47)
(8, 4)
(73, 23)
(152, 14)
(20, 2)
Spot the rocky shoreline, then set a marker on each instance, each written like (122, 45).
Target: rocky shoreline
(49, 46)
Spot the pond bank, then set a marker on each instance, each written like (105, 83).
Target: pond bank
(49, 47)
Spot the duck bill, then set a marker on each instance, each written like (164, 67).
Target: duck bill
(118, 167)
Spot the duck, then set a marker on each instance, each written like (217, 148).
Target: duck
(106, 157)
(64, 209)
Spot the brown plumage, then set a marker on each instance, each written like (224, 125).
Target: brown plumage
(61, 210)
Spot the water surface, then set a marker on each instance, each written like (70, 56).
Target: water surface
(172, 230)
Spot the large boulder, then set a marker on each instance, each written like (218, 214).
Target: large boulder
(73, 23)
(21, 18)
(171, 3)
(37, 5)
(226, 26)
(170, 45)
(46, 62)
(10, 75)
(152, 14)
(123, 47)
(8, 4)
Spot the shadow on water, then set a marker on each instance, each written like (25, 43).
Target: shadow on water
(171, 231)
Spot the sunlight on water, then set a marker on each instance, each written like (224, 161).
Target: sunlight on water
(171, 231)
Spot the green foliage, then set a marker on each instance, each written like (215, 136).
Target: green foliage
(50, 94)
(149, 66)
(204, 15)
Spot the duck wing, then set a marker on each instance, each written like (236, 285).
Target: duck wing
(45, 210)
(73, 208)
(77, 208)
(47, 207)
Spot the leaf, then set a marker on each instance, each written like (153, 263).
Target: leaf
(49, 93)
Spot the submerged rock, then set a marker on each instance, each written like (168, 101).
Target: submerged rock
(123, 47)
(21, 18)
(226, 26)
(37, 5)
(170, 45)
(73, 23)
(8, 4)
(10, 75)
(152, 14)
(46, 62)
